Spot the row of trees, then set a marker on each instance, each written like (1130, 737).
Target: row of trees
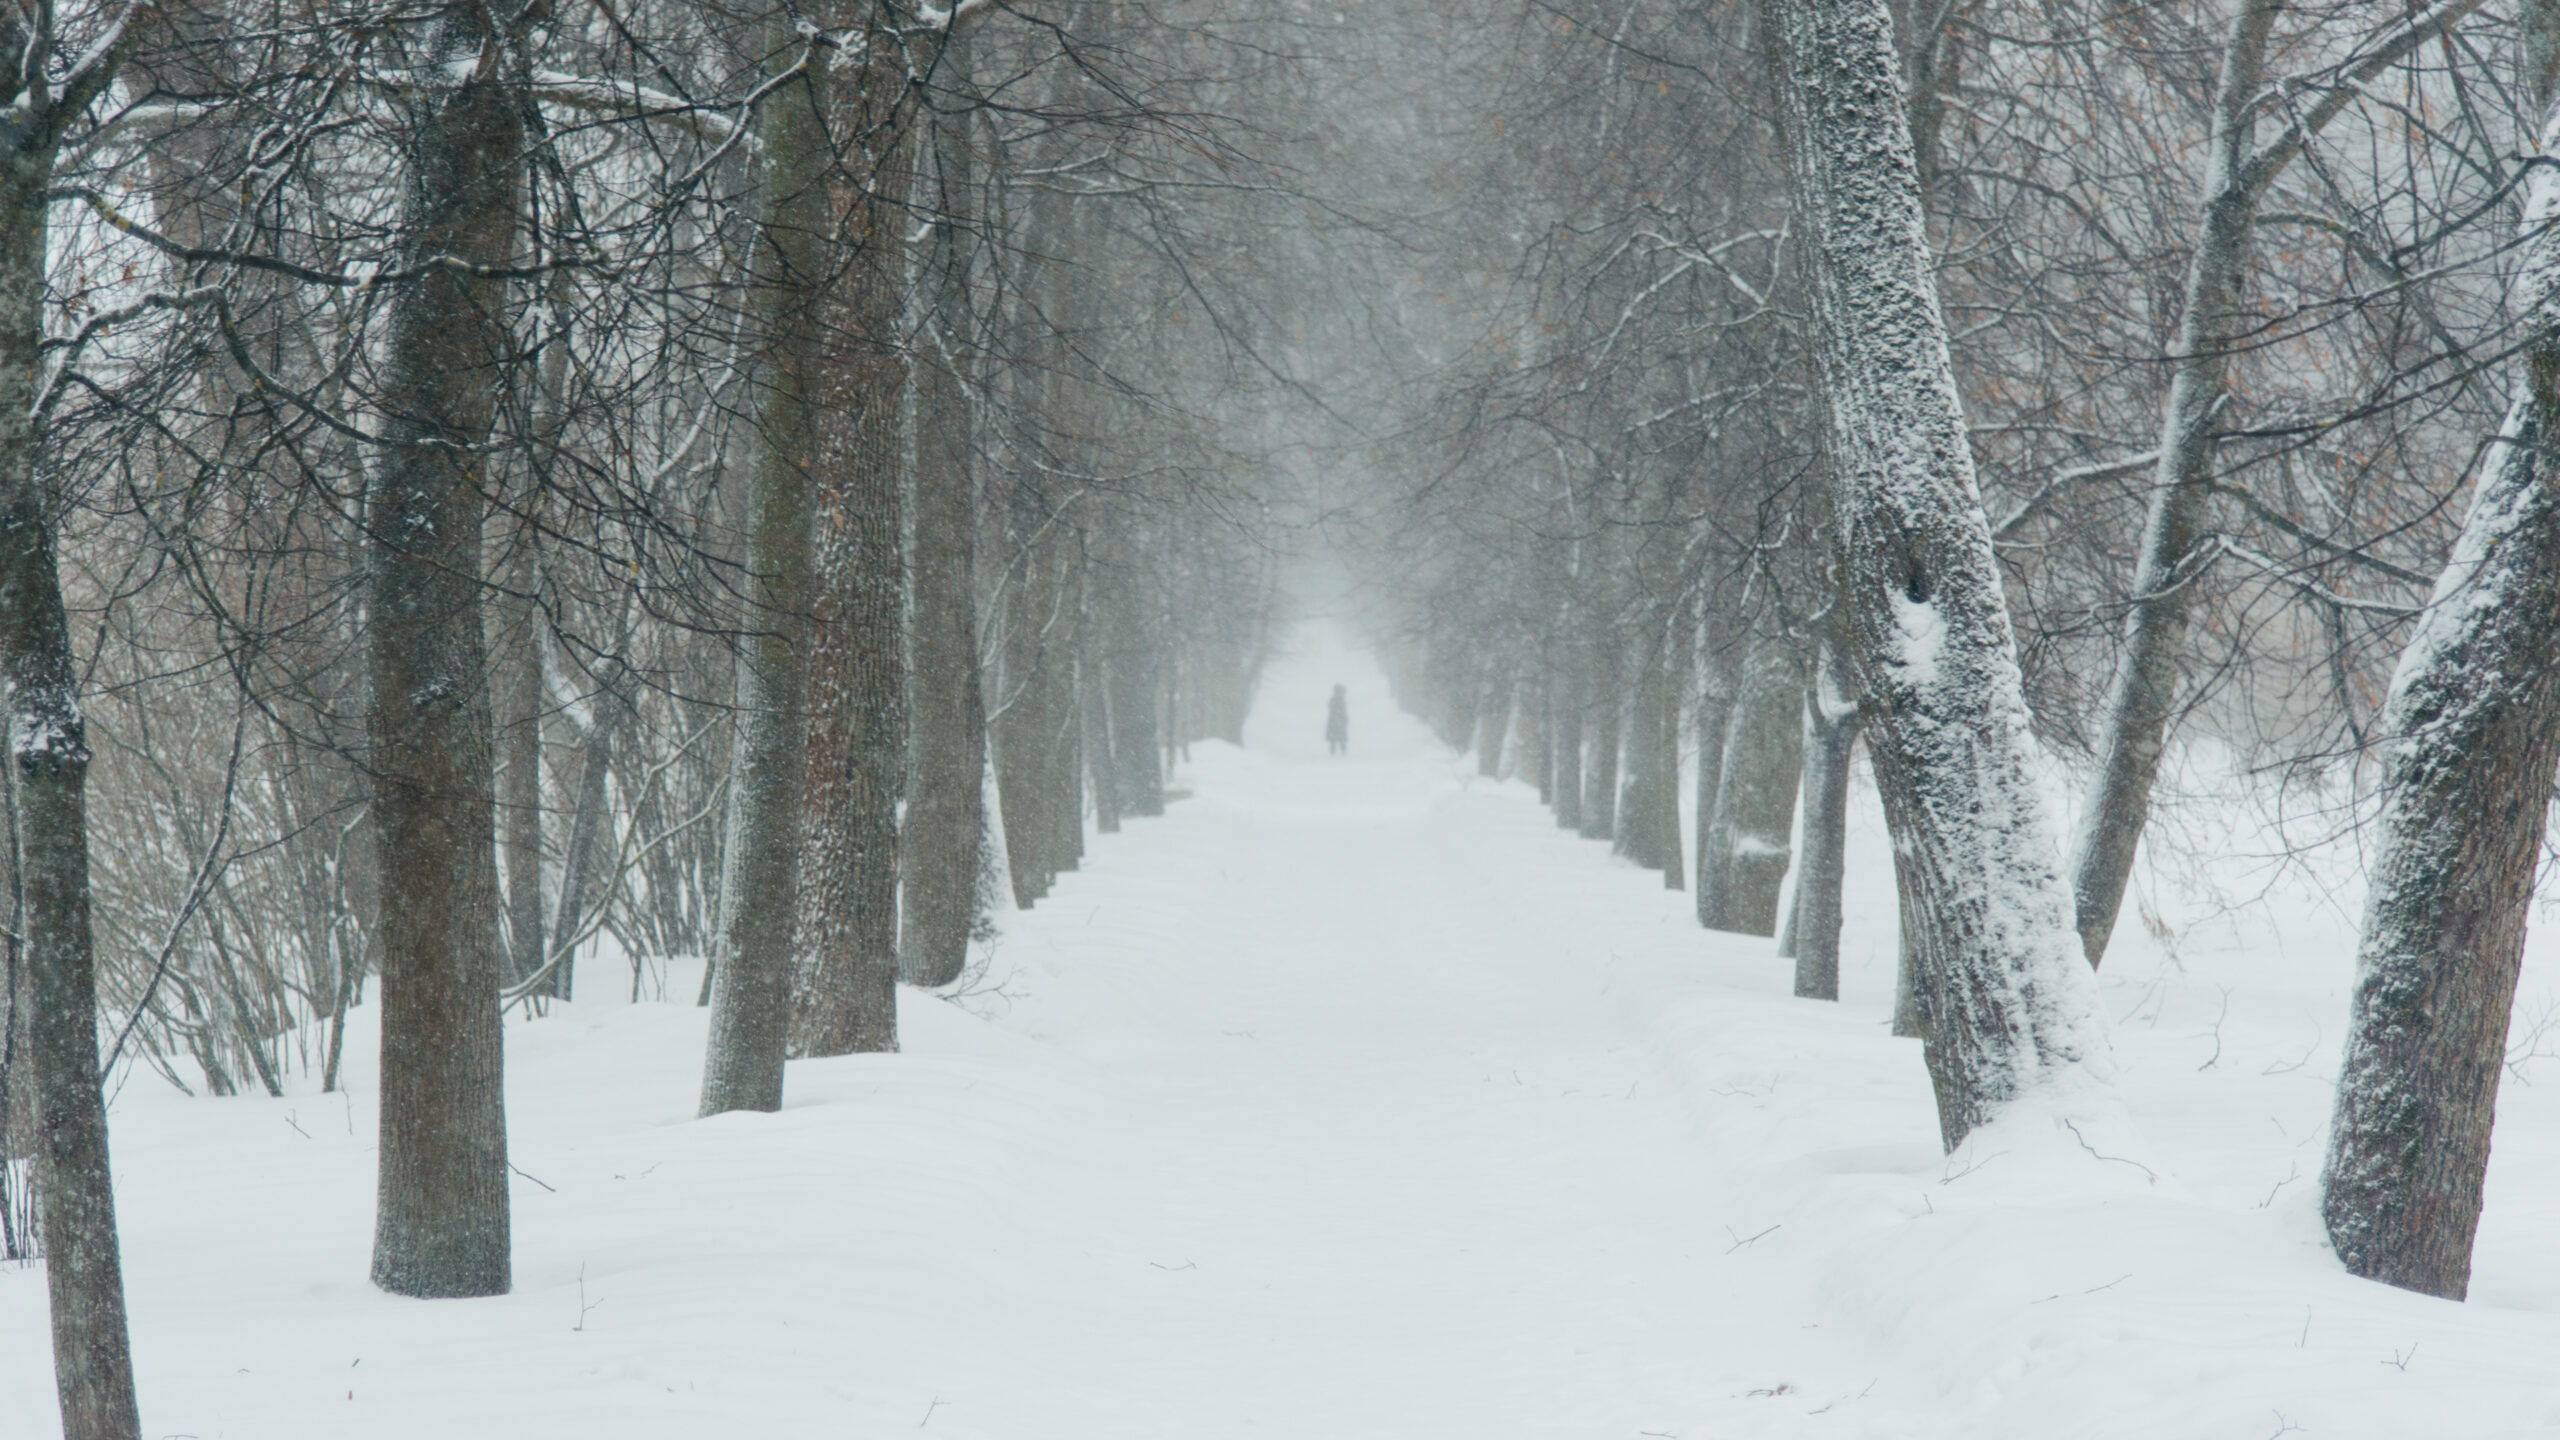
(1984, 379)
(493, 489)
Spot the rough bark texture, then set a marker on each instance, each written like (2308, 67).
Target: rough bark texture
(760, 865)
(442, 1224)
(1831, 722)
(846, 997)
(2474, 713)
(947, 723)
(49, 754)
(1742, 863)
(2010, 999)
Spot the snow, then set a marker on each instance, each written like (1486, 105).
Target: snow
(1353, 1099)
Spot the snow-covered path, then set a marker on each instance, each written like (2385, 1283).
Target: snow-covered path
(1348, 1099)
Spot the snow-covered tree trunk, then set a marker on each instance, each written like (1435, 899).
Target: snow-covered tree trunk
(2136, 718)
(2211, 323)
(55, 952)
(442, 1227)
(48, 748)
(2011, 1001)
(2474, 721)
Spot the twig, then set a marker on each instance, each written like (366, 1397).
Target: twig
(1741, 1240)
(2292, 1173)
(584, 1306)
(2146, 1170)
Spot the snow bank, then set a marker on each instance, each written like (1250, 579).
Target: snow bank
(1352, 1099)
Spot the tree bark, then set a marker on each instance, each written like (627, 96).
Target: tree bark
(48, 743)
(1569, 700)
(1493, 725)
(1743, 864)
(442, 1224)
(590, 829)
(519, 717)
(2474, 713)
(1607, 720)
(2012, 1004)
(945, 703)
(847, 998)
(53, 958)
(1093, 710)
(760, 864)
(2139, 699)
(947, 718)
(1831, 722)
(1714, 719)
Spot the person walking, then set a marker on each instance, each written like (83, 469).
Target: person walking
(1337, 723)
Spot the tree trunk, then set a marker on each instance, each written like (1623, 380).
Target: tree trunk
(947, 725)
(1028, 719)
(519, 706)
(1101, 757)
(1539, 754)
(848, 929)
(2011, 1001)
(1608, 716)
(1714, 720)
(1743, 866)
(1569, 699)
(1493, 725)
(1653, 758)
(1681, 645)
(2139, 699)
(74, 1189)
(760, 864)
(1910, 1018)
(1831, 722)
(2474, 713)
(442, 1226)
(590, 830)
(1132, 679)
(2211, 324)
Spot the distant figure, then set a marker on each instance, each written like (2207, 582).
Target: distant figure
(1337, 723)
